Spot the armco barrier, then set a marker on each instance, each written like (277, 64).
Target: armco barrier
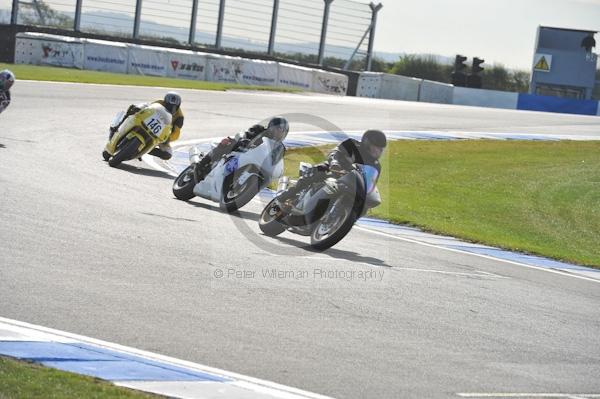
(222, 68)
(186, 64)
(532, 102)
(436, 92)
(329, 82)
(392, 87)
(294, 77)
(258, 73)
(102, 55)
(41, 49)
(147, 60)
(485, 98)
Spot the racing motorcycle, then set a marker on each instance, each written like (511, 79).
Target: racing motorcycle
(235, 178)
(326, 209)
(138, 134)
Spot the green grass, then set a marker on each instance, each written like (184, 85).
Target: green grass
(56, 74)
(25, 380)
(534, 197)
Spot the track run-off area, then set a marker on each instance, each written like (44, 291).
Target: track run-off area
(110, 254)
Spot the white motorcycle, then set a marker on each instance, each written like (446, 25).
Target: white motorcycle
(235, 178)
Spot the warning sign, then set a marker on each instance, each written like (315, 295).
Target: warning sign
(542, 62)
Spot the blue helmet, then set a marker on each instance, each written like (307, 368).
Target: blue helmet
(7, 79)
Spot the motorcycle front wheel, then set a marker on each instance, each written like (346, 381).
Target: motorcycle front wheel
(125, 152)
(183, 186)
(269, 220)
(334, 225)
(236, 194)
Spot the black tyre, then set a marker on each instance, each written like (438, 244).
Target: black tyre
(269, 220)
(237, 195)
(126, 152)
(183, 186)
(334, 225)
(105, 155)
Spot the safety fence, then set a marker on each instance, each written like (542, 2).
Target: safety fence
(312, 30)
(395, 87)
(99, 55)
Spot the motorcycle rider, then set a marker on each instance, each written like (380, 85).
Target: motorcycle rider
(341, 160)
(172, 102)
(7, 79)
(277, 129)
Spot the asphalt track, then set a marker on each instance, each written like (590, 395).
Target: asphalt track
(108, 253)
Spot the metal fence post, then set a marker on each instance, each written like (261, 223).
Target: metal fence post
(220, 24)
(192, 37)
(374, 10)
(273, 27)
(77, 23)
(14, 12)
(138, 17)
(324, 30)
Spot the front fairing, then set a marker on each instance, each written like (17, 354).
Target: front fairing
(152, 125)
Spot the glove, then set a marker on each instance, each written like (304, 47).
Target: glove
(133, 109)
(336, 168)
(226, 141)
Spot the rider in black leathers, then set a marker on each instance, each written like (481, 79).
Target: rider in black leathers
(341, 159)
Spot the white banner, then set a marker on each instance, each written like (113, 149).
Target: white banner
(105, 56)
(258, 73)
(186, 65)
(329, 82)
(147, 60)
(224, 69)
(41, 49)
(295, 77)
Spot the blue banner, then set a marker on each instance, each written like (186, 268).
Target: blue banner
(532, 102)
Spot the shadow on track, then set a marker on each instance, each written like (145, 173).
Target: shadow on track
(335, 253)
(238, 214)
(144, 172)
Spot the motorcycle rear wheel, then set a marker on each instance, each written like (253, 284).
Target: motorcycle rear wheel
(326, 233)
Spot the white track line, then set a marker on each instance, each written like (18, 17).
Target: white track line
(267, 385)
(530, 395)
(381, 233)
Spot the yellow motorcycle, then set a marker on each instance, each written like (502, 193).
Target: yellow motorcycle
(138, 134)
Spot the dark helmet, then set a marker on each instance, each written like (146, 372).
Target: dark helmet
(374, 142)
(7, 79)
(278, 128)
(172, 102)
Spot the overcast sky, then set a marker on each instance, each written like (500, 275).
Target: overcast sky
(497, 30)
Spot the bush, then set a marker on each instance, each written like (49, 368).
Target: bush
(496, 77)
(422, 67)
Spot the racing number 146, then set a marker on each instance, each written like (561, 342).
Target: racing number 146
(155, 126)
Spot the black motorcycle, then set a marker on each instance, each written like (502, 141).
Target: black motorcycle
(326, 209)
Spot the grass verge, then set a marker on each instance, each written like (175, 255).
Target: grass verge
(56, 74)
(535, 197)
(26, 380)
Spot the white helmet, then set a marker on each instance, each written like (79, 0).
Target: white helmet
(278, 128)
(7, 79)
